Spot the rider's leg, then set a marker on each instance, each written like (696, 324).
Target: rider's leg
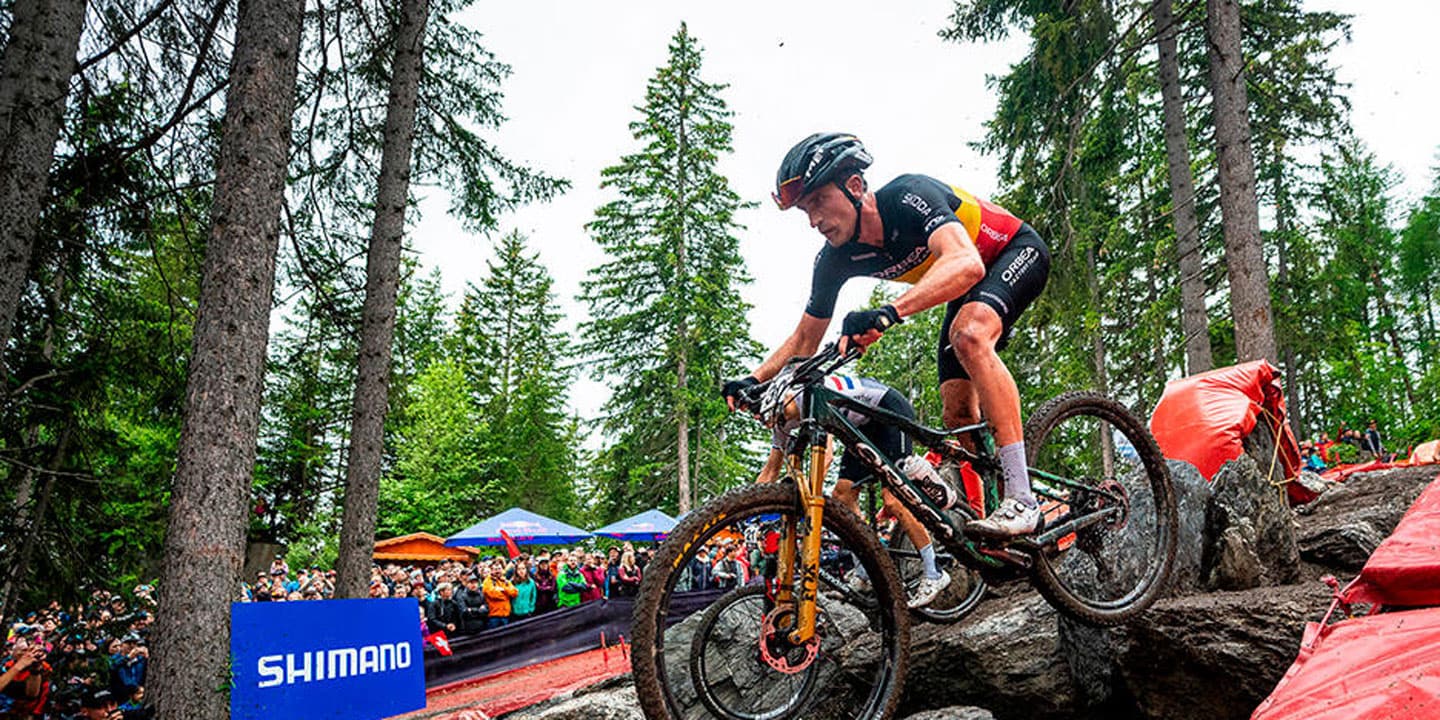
(960, 406)
(919, 537)
(974, 334)
(848, 495)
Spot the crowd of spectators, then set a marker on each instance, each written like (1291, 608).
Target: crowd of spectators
(89, 660)
(491, 592)
(86, 660)
(1321, 453)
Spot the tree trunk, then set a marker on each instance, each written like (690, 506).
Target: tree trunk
(1194, 321)
(1387, 313)
(34, 83)
(682, 334)
(1097, 346)
(31, 532)
(1239, 207)
(15, 571)
(205, 538)
(382, 277)
(1283, 216)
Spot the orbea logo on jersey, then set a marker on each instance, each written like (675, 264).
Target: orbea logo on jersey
(992, 233)
(332, 664)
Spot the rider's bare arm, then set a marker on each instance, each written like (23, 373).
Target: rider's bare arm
(956, 269)
(803, 341)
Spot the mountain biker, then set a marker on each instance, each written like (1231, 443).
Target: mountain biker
(854, 473)
(983, 263)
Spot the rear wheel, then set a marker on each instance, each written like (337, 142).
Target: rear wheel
(1107, 572)
(746, 668)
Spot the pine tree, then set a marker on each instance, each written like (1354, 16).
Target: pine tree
(1240, 205)
(205, 539)
(530, 447)
(667, 318)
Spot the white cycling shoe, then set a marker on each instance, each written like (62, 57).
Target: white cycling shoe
(858, 583)
(1012, 519)
(928, 590)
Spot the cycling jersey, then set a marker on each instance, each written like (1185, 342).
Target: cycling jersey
(888, 439)
(911, 208)
(861, 389)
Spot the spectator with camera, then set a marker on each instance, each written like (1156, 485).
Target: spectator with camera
(25, 678)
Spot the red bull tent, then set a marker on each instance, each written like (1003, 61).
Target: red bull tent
(523, 526)
(648, 526)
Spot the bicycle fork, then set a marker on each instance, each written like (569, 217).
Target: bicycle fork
(812, 502)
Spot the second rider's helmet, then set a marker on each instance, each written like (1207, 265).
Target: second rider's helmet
(816, 160)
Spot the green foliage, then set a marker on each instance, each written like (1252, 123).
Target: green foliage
(667, 321)
(439, 481)
(518, 372)
(905, 358)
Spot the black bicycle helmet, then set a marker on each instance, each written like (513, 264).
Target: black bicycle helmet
(816, 160)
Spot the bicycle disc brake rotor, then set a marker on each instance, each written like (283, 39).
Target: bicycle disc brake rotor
(776, 649)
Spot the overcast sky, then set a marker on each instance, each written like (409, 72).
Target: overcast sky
(874, 69)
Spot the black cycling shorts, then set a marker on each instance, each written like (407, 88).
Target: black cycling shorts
(1010, 284)
(888, 439)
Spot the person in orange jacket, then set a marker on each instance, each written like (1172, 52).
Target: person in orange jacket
(498, 593)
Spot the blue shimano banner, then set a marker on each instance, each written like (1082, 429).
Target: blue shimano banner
(354, 659)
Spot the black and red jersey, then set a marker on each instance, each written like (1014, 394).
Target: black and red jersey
(911, 207)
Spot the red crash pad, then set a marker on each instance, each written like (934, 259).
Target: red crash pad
(1203, 418)
(1379, 666)
(1405, 569)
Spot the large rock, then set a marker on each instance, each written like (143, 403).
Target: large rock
(1090, 651)
(1005, 657)
(1215, 656)
(1250, 531)
(954, 713)
(612, 704)
(1192, 497)
(1340, 529)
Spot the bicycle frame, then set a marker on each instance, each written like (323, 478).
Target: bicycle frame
(823, 416)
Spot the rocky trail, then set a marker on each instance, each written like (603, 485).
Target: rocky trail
(1247, 579)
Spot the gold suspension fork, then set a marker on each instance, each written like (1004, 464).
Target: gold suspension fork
(812, 501)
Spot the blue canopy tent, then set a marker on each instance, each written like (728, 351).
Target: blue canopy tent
(523, 526)
(648, 526)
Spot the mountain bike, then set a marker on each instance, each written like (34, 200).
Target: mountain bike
(805, 642)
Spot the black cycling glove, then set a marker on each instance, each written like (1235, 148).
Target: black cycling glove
(863, 321)
(732, 390)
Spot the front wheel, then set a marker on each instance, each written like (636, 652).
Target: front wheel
(1090, 459)
(853, 669)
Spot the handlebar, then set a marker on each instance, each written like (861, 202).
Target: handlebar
(827, 360)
